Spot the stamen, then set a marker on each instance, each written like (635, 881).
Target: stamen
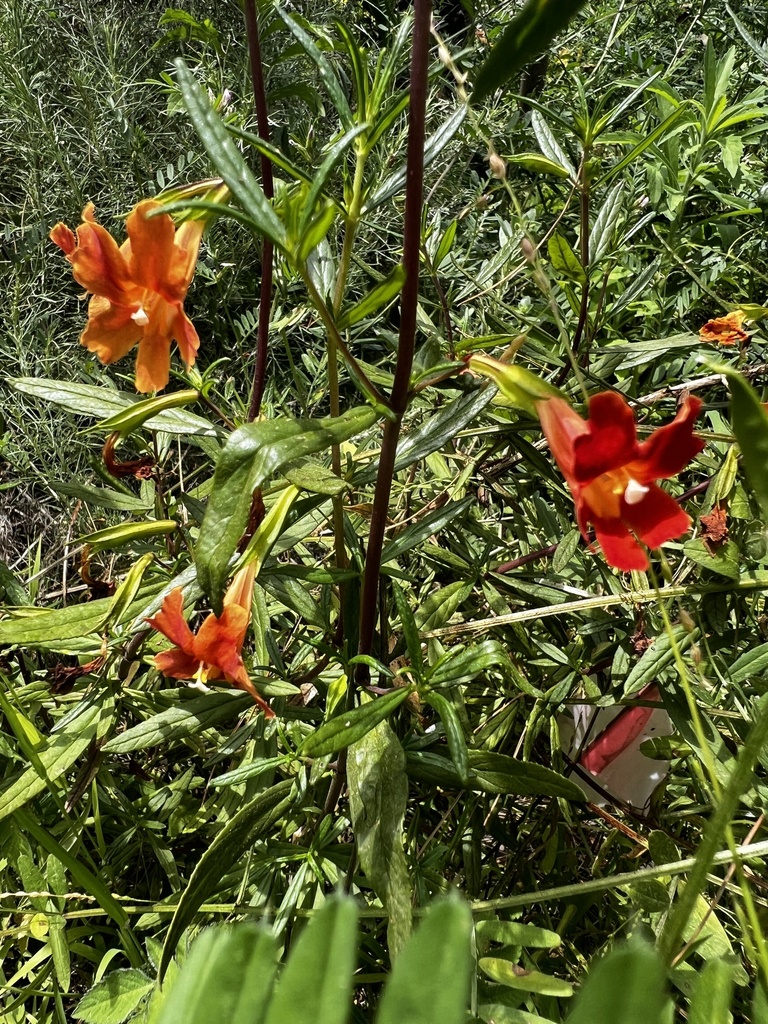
(635, 492)
(140, 316)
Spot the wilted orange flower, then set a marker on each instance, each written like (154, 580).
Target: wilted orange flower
(725, 330)
(214, 652)
(138, 288)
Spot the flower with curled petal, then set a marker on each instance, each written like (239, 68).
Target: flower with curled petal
(215, 651)
(137, 289)
(612, 475)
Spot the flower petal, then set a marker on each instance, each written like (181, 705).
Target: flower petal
(170, 621)
(153, 362)
(184, 334)
(670, 448)
(99, 266)
(64, 237)
(152, 250)
(176, 664)
(111, 331)
(611, 441)
(620, 549)
(657, 518)
(220, 639)
(562, 425)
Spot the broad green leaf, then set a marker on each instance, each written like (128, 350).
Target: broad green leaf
(419, 531)
(378, 798)
(750, 425)
(316, 984)
(492, 773)
(628, 986)
(311, 475)
(465, 664)
(563, 259)
(89, 400)
(514, 933)
(114, 998)
(539, 164)
(238, 835)
(723, 560)
(566, 549)
(325, 69)
(104, 497)
(11, 590)
(530, 32)
(501, 1014)
(657, 657)
(513, 976)
(711, 997)
(430, 979)
(454, 733)
(549, 143)
(126, 533)
(184, 719)
(441, 605)
(377, 297)
(227, 976)
(253, 453)
(137, 415)
(346, 728)
(227, 159)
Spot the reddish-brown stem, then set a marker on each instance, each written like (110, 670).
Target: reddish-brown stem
(422, 10)
(265, 289)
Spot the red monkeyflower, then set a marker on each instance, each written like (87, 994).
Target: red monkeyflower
(138, 288)
(214, 652)
(612, 475)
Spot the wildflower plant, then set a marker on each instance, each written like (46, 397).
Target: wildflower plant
(356, 532)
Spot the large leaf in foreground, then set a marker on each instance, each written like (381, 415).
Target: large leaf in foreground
(626, 987)
(252, 454)
(750, 425)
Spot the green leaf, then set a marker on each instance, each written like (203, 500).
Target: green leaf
(711, 998)
(377, 297)
(523, 39)
(227, 976)
(433, 147)
(88, 400)
(430, 979)
(51, 762)
(316, 985)
(723, 560)
(625, 987)
(128, 420)
(419, 531)
(238, 835)
(564, 260)
(326, 169)
(454, 733)
(463, 665)
(339, 732)
(493, 773)
(645, 143)
(601, 237)
(656, 658)
(509, 974)
(513, 933)
(539, 164)
(549, 144)
(227, 159)
(126, 533)
(104, 497)
(115, 998)
(325, 69)
(187, 718)
(410, 631)
(378, 798)
(750, 425)
(752, 663)
(252, 454)
(125, 595)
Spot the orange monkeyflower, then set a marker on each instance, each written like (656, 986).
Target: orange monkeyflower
(214, 652)
(137, 289)
(612, 476)
(725, 330)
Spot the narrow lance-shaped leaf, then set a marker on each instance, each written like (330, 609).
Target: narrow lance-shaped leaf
(347, 728)
(524, 38)
(750, 425)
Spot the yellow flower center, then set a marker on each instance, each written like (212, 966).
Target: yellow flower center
(605, 492)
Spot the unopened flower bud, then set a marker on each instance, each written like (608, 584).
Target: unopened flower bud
(497, 165)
